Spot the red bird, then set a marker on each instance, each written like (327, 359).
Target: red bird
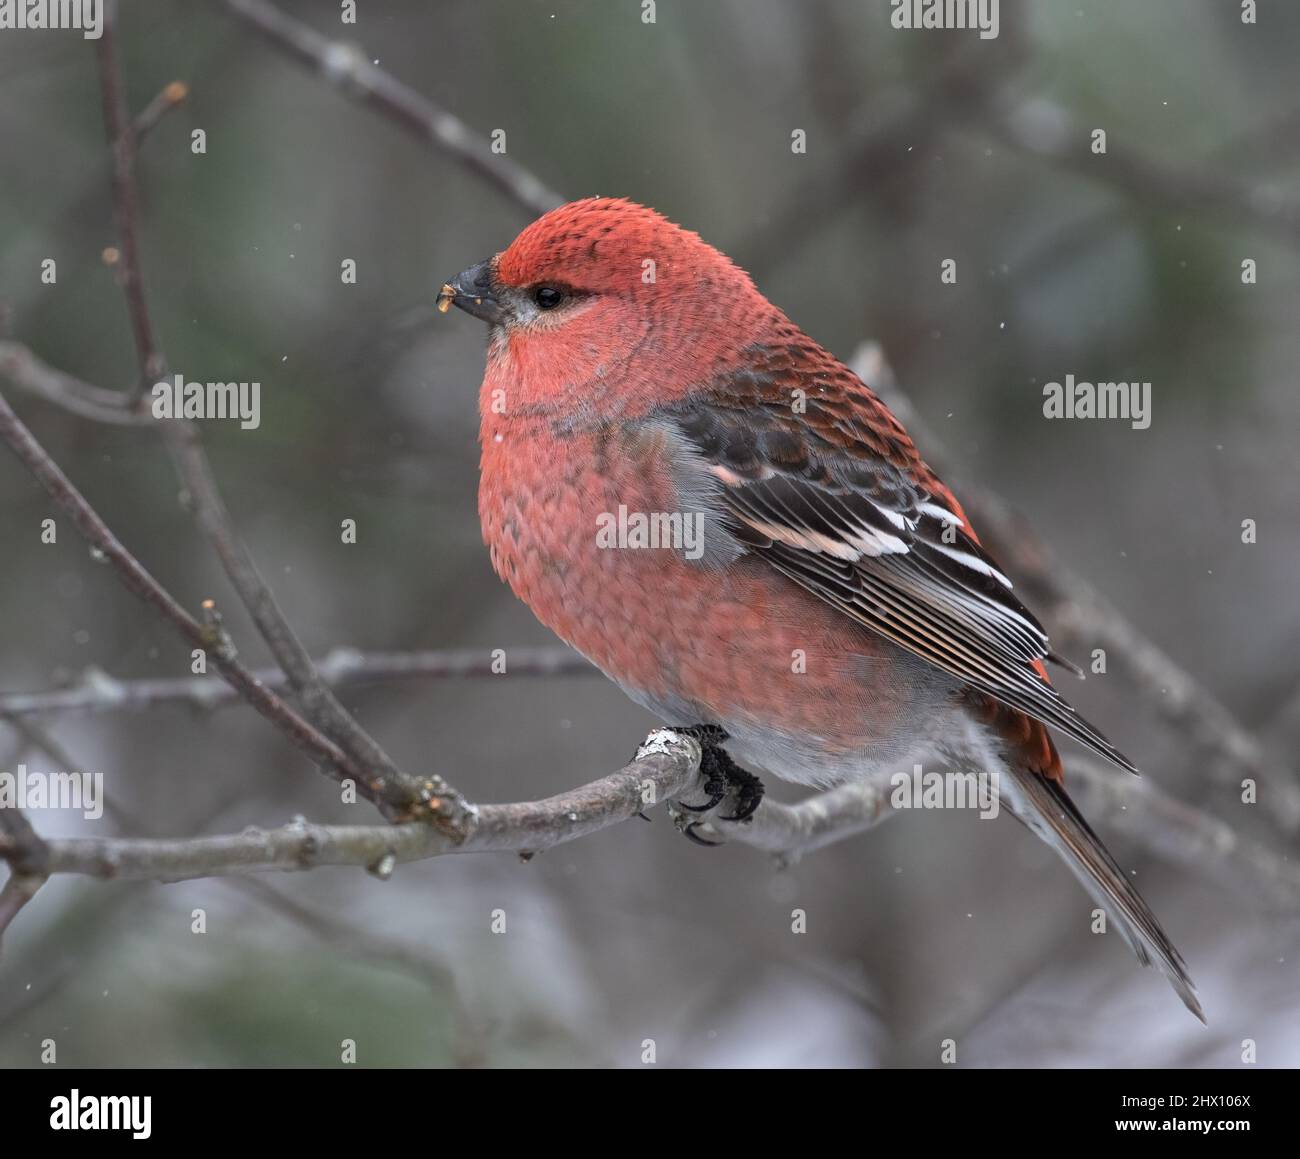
(836, 617)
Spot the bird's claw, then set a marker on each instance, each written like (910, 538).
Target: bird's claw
(691, 835)
(749, 793)
(722, 778)
(716, 787)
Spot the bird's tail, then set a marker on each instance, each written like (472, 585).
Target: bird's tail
(1042, 803)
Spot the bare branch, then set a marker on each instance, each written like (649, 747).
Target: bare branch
(1188, 837)
(121, 138)
(319, 704)
(666, 768)
(820, 820)
(170, 97)
(667, 765)
(401, 796)
(1042, 129)
(141, 583)
(97, 691)
(345, 67)
(17, 892)
(888, 139)
(27, 853)
(1078, 615)
(28, 372)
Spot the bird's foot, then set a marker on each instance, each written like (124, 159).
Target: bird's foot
(723, 779)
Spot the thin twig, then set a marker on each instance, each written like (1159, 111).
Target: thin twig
(169, 97)
(17, 892)
(97, 691)
(1042, 129)
(887, 140)
(121, 138)
(28, 858)
(401, 795)
(140, 582)
(344, 66)
(319, 703)
(27, 851)
(25, 370)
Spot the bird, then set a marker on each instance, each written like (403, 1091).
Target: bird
(732, 526)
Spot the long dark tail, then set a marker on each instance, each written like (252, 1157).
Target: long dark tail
(1046, 808)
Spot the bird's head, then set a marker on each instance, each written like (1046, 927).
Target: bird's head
(606, 299)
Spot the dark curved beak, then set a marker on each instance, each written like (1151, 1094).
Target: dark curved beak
(471, 290)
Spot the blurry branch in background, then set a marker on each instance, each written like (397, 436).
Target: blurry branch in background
(28, 372)
(888, 137)
(1268, 142)
(121, 140)
(345, 66)
(18, 890)
(27, 855)
(168, 98)
(1075, 614)
(973, 90)
(1187, 837)
(412, 959)
(142, 584)
(97, 691)
(1043, 129)
(397, 795)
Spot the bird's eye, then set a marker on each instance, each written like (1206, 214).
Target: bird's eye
(547, 297)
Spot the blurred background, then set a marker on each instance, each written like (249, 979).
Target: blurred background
(921, 146)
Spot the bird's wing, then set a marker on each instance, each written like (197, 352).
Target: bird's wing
(827, 487)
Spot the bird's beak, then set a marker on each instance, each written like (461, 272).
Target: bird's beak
(471, 290)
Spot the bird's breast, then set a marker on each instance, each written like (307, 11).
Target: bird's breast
(567, 514)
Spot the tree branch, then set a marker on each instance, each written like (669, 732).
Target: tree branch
(121, 138)
(28, 858)
(668, 764)
(141, 583)
(403, 793)
(171, 96)
(789, 831)
(401, 796)
(344, 66)
(97, 691)
(28, 372)
(319, 704)
(18, 890)
(1187, 837)
(1076, 613)
(1042, 129)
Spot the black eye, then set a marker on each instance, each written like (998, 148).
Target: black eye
(547, 297)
